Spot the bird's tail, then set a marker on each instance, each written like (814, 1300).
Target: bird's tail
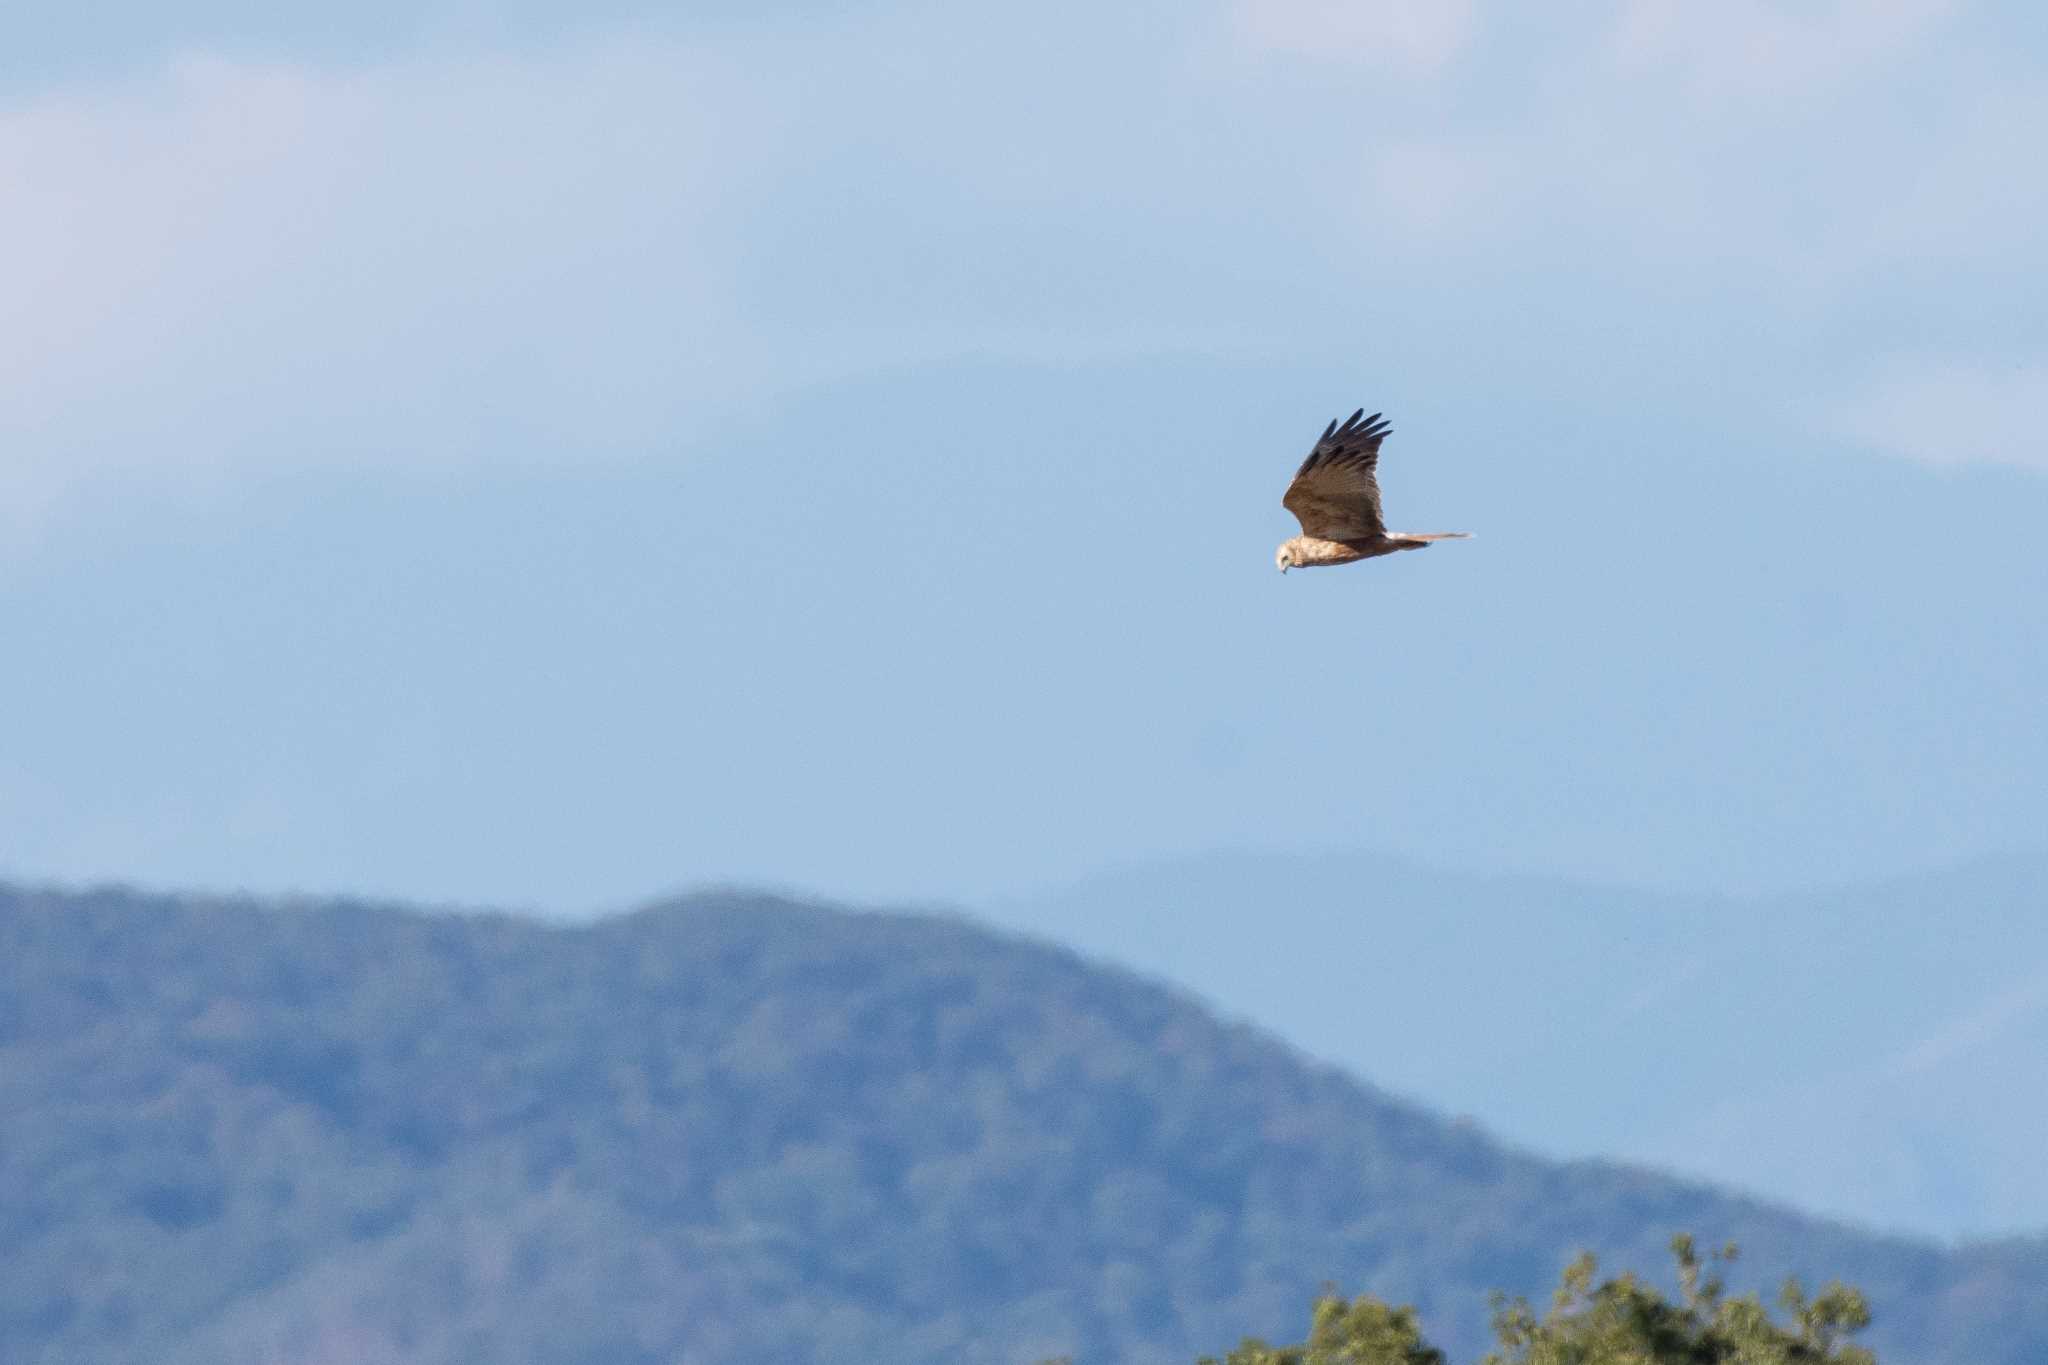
(1418, 539)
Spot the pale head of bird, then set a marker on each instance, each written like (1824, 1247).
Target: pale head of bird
(1285, 557)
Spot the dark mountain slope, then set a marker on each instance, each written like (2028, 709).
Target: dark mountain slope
(733, 1128)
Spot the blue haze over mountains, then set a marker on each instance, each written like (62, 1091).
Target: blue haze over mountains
(1876, 1052)
(490, 459)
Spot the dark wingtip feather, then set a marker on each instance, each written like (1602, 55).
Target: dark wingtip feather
(1355, 441)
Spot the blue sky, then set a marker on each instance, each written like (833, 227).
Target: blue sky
(464, 454)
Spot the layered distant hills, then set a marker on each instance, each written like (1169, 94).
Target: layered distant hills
(1876, 1051)
(731, 1128)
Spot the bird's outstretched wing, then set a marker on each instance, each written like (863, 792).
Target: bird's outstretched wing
(1336, 494)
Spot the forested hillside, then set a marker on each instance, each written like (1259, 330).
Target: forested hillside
(731, 1128)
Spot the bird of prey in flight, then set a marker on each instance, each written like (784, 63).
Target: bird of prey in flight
(1336, 498)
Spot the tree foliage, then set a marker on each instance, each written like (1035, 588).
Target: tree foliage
(1626, 1321)
(1361, 1332)
(1621, 1321)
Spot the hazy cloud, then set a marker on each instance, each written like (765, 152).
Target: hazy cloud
(231, 264)
(1769, 51)
(1949, 412)
(1415, 37)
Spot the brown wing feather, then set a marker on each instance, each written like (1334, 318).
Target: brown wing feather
(1336, 493)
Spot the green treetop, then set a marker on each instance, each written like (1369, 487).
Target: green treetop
(1622, 1321)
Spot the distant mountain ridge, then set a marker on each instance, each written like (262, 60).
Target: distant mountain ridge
(1912, 1010)
(732, 1127)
